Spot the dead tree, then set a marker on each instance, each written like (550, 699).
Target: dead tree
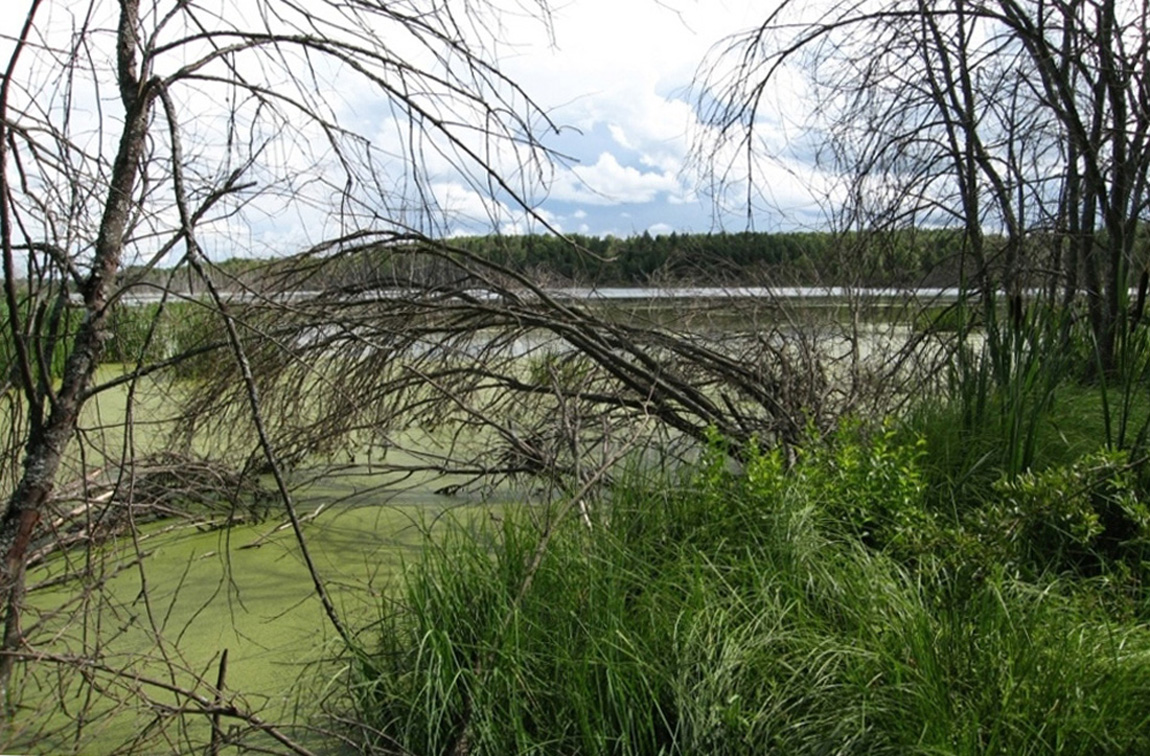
(222, 115)
(1024, 124)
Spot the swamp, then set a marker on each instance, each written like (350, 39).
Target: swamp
(516, 550)
(324, 434)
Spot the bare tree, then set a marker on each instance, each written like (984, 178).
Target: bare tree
(135, 135)
(523, 383)
(140, 141)
(1023, 124)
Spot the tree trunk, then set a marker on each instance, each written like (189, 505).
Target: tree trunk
(47, 444)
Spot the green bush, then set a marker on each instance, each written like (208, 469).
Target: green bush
(872, 485)
(1085, 517)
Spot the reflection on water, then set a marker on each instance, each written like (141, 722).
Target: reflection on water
(150, 295)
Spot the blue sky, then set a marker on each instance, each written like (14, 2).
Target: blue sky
(615, 75)
(619, 76)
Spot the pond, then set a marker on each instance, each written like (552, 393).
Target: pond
(243, 590)
(166, 603)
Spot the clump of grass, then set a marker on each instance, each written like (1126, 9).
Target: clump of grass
(731, 612)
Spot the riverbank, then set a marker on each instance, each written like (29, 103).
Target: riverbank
(831, 606)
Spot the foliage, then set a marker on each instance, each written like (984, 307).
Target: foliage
(729, 612)
(908, 257)
(137, 334)
(185, 333)
(868, 484)
(905, 257)
(872, 484)
(1086, 517)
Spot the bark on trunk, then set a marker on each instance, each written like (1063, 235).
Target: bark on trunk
(45, 447)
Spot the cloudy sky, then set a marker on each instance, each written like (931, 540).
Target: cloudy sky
(615, 75)
(618, 75)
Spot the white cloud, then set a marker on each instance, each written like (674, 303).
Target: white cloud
(621, 71)
(608, 182)
(658, 128)
(619, 135)
(468, 211)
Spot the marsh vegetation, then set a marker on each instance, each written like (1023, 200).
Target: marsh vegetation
(937, 570)
(399, 492)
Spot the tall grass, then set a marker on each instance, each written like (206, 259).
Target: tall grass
(1007, 376)
(737, 613)
(187, 331)
(970, 581)
(1036, 456)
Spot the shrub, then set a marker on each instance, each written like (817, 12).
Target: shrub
(872, 485)
(1084, 517)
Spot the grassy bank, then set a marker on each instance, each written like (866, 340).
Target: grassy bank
(762, 610)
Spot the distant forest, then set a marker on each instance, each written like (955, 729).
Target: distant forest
(913, 257)
(910, 258)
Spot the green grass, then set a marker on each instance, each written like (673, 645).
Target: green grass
(728, 613)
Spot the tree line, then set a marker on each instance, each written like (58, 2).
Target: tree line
(799, 258)
(912, 257)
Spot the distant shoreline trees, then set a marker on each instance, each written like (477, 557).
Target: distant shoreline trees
(913, 258)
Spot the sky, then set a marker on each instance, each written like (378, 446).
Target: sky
(615, 77)
(619, 74)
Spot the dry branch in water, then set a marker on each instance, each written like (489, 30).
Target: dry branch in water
(460, 367)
